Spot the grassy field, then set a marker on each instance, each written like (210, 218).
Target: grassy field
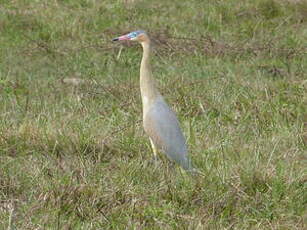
(73, 154)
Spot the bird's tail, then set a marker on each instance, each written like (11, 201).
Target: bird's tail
(188, 166)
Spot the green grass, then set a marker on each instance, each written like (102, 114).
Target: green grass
(76, 156)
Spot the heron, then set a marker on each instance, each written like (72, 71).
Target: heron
(159, 120)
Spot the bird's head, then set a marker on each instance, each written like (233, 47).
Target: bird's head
(139, 36)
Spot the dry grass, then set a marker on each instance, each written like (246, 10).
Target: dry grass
(73, 154)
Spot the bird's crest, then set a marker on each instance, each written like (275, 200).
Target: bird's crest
(130, 36)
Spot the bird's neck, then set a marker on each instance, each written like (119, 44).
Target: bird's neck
(149, 92)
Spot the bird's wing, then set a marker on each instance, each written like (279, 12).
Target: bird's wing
(162, 126)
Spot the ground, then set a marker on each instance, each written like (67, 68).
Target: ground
(73, 153)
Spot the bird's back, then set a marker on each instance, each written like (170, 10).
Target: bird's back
(162, 126)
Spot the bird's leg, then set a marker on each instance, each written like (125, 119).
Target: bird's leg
(154, 149)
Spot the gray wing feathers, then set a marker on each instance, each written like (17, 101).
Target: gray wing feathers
(161, 124)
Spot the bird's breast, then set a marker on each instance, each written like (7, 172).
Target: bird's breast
(148, 102)
(145, 101)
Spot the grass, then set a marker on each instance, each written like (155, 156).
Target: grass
(73, 154)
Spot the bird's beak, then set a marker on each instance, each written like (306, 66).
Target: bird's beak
(121, 38)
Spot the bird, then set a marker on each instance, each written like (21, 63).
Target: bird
(159, 120)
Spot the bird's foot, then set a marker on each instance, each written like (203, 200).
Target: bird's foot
(154, 161)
